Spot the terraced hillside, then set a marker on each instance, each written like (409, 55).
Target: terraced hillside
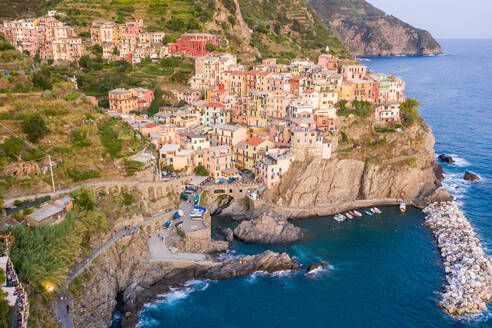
(267, 28)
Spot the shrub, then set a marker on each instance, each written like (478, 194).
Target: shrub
(72, 96)
(201, 170)
(84, 198)
(77, 175)
(35, 127)
(409, 111)
(344, 137)
(13, 146)
(412, 162)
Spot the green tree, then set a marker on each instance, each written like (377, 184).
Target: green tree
(210, 47)
(182, 103)
(362, 108)
(116, 52)
(13, 146)
(409, 111)
(42, 79)
(35, 127)
(97, 50)
(201, 170)
(84, 198)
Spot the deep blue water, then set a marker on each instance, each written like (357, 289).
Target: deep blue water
(385, 271)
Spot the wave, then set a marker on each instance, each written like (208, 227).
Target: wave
(319, 271)
(147, 322)
(458, 161)
(482, 316)
(280, 274)
(229, 254)
(455, 184)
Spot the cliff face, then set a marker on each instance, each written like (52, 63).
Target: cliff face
(368, 31)
(369, 166)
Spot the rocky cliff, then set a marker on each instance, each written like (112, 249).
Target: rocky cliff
(126, 273)
(367, 165)
(368, 31)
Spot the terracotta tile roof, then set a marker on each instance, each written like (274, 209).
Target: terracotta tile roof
(255, 141)
(150, 125)
(215, 104)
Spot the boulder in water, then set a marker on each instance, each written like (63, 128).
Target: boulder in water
(316, 266)
(469, 176)
(268, 229)
(446, 158)
(227, 233)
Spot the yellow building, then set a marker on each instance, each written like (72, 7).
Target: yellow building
(257, 109)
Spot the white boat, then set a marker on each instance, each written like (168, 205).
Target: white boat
(359, 214)
(338, 218)
(376, 210)
(403, 207)
(342, 216)
(348, 215)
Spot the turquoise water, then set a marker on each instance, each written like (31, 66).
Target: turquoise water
(385, 271)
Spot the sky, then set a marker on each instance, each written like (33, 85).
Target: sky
(443, 18)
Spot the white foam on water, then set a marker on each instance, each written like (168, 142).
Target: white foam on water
(482, 316)
(455, 184)
(146, 322)
(228, 255)
(252, 278)
(459, 161)
(319, 271)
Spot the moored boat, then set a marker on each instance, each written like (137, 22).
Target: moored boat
(359, 214)
(376, 210)
(368, 212)
(403, 207)
(348, 215)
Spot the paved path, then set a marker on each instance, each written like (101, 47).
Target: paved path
(160, 252)
(62, 311)
(118, 235)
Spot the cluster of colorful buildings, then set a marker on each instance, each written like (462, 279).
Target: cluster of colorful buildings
(260, 119)
(51, 39)
(130, 42)
(46, 37)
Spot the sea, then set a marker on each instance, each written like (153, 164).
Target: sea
(384, 270)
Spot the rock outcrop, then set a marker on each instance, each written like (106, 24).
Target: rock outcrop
(267, 261)
(125, 272)
(446, 158)
(368, 31)
(267, 229)
(395, 166)
(469, 176)
(227, 233)
(468, 268)
(316, 266)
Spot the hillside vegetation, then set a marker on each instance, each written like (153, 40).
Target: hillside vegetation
(255, 29)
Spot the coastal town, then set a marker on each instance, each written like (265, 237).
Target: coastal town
(230, 134)
(258, 118)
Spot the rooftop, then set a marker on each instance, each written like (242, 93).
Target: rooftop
(169, 147)
(255, 141)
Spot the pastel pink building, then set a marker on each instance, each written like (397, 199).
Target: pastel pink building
(273, 166)
(239, 113)
(145, 97)
(217, 159)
